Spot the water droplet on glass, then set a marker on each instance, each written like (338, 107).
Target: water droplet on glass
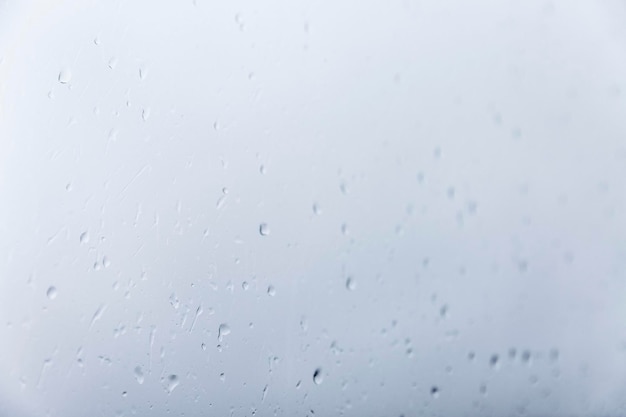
(203, 346)
(264, 229)
(84, 237)
(316, 209)
(434, 392)
(52, 293)
(318, 378)
(65, 76)
(245, 285)
(96, 41)
(271, 291)
(494, 360)
(139, 376)
(112, 63)
(142, 74)
(145, 114)
(554, 355)
(262, 169)
(350, 284)
(172, 383)
(526, 356)
(222, 331)
(174, 301)
(106, 262)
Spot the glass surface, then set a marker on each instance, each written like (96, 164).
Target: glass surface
(358, 208)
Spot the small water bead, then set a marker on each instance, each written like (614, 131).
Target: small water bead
(435, 391)
(65, 76)
(350, 284)
(51, 293)
(84, 237)
(172, 382)
(271, 291)
(494, 361)
(139, 375)
(245, 285)
(264, 229)
(318, 378)
(222, 331)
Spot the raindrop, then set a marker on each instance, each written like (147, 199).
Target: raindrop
(316, 209)
(174, 301)
(124, 393)
(84, 237)
(262, 169)
(526, 356)
(434, 391)
(106, 262)
(142, 74)
(172, 383)
(52, 293)
(271, 291)
(112, 63)
(494, 360)
(145, 114)
(471, 356)
(350, 284)
(65, 76)
(318, 378)
(554, 355)
(139, 376)
(245, 285)
(222, 331)
(203, 346)
(264, 229)
(96, 41)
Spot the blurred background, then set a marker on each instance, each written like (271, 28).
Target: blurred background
(358, 208)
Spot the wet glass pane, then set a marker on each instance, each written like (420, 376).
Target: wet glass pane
(358, 208)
